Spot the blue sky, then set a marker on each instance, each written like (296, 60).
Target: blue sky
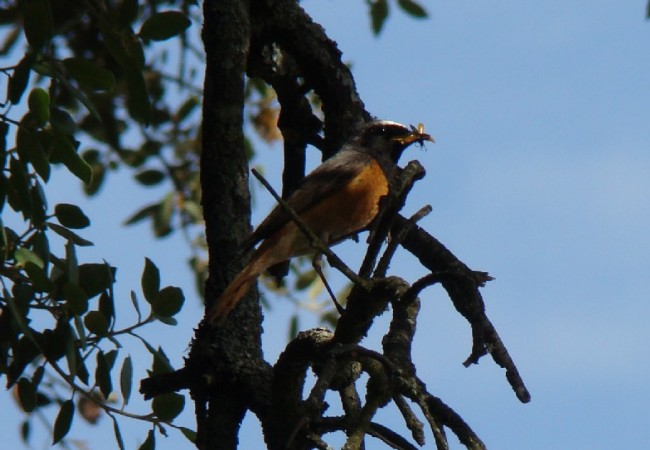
(540, 175)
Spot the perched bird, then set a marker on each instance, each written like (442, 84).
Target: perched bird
(339, 198)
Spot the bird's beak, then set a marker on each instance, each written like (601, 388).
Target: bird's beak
(417, 135)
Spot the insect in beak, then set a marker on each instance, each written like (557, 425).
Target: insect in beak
(419, 135)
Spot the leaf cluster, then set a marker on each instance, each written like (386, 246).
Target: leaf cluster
(88, 94)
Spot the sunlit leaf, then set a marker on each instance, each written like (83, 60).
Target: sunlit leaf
(24, 255)
(39, 105)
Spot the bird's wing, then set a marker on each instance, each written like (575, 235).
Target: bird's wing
(324, 181)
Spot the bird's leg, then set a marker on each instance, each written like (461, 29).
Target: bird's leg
(317, 263)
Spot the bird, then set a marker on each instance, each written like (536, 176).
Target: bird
(336, 200)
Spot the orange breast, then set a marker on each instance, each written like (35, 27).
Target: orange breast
(350, 209)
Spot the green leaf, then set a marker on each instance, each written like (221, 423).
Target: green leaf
(29, 147)
(169, 301)
(40, 245)
(136, 306)
(76, 298)
(167, 320)
(71, 263)
(293, 327)
(306, 279)
(168, 406)
(103, 375)
(161, 363)
(71, 354)
(189, 434)
(38, 376)
(412, 8)
(96, 323)
(19, 197)
(71, 236)
(150, 281)
(77, 93)
(163, 216)
(38, 277)
(378, 14)
(126, 379)
(150, 442)
(39, 105)
(139, 216)
(4, 131)
(26, 395)
(150, 177)
(94, 278)
(71, 216)
(128, 12)
(39, 204)
(107, 305)
(81, 371)
(164, 25)
(137, 102)
(186, 108)
(65, 151)
(89, 74)
(123, 46)
(194, 210)
(24, 255)
(37, 22)
(20, 78)
(55, 342)
(118, 434)
(63, 122)
(25, 431)
(63, 421)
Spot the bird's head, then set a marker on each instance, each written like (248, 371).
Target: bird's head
(391, 138)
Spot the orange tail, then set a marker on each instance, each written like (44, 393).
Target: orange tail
(230, 297)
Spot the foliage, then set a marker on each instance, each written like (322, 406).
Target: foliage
(90, 92)
(92, 88)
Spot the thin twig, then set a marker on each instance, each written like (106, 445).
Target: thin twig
(316, 242)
